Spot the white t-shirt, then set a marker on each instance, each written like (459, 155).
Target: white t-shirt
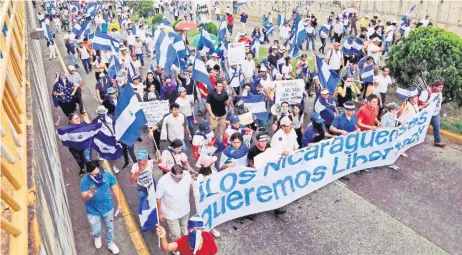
(173, 128)
(168, 161)
(284, 32)
(383, 83)
(84, 53)
(285, 142)
(335, 60)
(198, 139)
(248, 67)
(286, 71)
(149, 168)
(410, 111)
(309, 30)
(338, 28)
(389, 37)
(424, 22)
(376, 56)
(235, 82)
(185, 106)
(424, 96)
(131, 39)
(138, 47)
(174, 196)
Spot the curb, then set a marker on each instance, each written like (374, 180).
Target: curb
(129, 220)
(448, 135)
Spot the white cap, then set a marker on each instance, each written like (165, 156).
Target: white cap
(286, 121)
(263, 69)
(71, 68)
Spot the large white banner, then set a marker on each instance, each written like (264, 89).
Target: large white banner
(236, 53)
(290, 91)
(155, 111)
(241, 191)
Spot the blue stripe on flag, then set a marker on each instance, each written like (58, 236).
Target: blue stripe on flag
(257, 105)
(328, 78)
(200, 73)
(79, 137)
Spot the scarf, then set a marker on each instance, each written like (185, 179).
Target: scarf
(195, 239)
(98, 178)
(232, 153)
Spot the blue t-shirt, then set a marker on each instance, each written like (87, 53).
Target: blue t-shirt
(101, 202)
(341, 122)
(310, 135)
(104, 27)
(244, 18)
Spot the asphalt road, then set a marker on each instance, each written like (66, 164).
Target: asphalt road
(416, 210)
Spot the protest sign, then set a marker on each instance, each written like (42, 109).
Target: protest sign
(290, 91)
(241, 191)
(236, 53)
(155, 111)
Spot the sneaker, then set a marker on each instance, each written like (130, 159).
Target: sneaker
(215, 233)
(125, 166)
(440, 144)
(98, 242)
(116, 170)
(404, 155)
(394, 167)
(113, 247)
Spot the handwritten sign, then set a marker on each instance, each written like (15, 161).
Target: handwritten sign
(236, 53)
(290, 91)
(154, 111)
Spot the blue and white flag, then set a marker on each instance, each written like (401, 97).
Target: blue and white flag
(114, 66)
(240, 3)
(104, 42)
(179, 46)
(406, 15)
(357, 46)
(75, 7)
(404, 94)
(199, 72)
(132, 10)
(403, 27)
(222, 30)
(165, 52)
(86, 28)
(48, 34)
(274, 72)
(77, 30)
(222, 49)
(366, 72)
(324, 30)
(347, 45)
(281, 20)
(90, 9)
(269, 28)
(301, 32)
(107, 146)
(205, 43)
(257, 105)
(128, 116)
(165, 22)
(362, 61)
(147, 209)
(79, 137)
(328, 78)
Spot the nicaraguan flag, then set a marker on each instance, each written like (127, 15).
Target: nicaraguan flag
(153, 66)
(179, 46)
(274, 72)
(147, 209)
(404, 94)
(77, 30)
(357, 46)
(301, 32)
(366, 72)
(363, 61)
(257, 105)
(281, 20)
(199, 72)
(114, 66)
(222, 49)
(406, 15)
(107, 146)
(128, 116)
(222, 30)
(86, 28)
(48, 34)
(269, 28)
(75, 7)
(79, 137)
(324, 30)
(165, 52)
(328, 78)
(240, 3)
(132, 10)
(205, 43)
(104, 42)
(165, 22)
(403, 27)
(90, 9)
(347, 46)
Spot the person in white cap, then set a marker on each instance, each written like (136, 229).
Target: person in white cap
(213, 60)
(285, 138)
(374, 50)
(75, 78)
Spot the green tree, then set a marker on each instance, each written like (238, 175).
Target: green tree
(429, 54)
(144, 7)
(211, 28)
(157, 18)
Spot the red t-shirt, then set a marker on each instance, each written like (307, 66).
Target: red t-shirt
(213, 80)
(209, 247)
(367, 115)
(203, 87)
(230, 19)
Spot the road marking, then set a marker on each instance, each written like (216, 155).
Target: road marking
(129, 220)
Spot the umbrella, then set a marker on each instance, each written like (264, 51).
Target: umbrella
(185, 25)
(196, 38)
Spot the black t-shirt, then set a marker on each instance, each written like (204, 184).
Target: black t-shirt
(273, 59)
(218, 102)
(254, 151)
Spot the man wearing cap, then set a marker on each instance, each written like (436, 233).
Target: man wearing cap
(142, 172)
(75, 78)
(316, 131)
(325, 105)
(345, 122)
(375, 51)
(203, 137)
(110, 101)
(103, 83)
(335, 57)
(124, 57)
(197, 241)
(260, 146)
(138, 87)
(285, 138)
(214, 60)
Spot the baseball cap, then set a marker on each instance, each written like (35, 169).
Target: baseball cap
(234, 119)
(181, 89)
(376, 39)
(204, 127)
(262, 137)
(316, 117)
(324, 91)
(349, 105)
(215, 55)
(151, 95)
(286, 121)
(142, 154)
(274, 47)
(392, 106)
(206, 160)
(263, 69)
(136, 77)
(110, 91)
(71, 68)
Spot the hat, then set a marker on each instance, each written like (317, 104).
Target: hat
(101, 75)
(195, 222)
(136, 36)
(392, 106)
(71, 68)
(233, 119)
(204, 127)
(241, 34)
(274, 47)
(246, 45)
(286, 121)
(101, 110)
(287, 58)
(215, 55)
(206, 160)
(151, 95)
(181, 89)
(316, 117)
(142, 154)
(136, 77)
(324, 91)
(263, 69)
(349, 105)
(111, 90)
(376, 39)
(282, 48)
(262, 137)
(123, 48)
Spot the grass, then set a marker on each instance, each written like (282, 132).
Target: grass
(454, 126)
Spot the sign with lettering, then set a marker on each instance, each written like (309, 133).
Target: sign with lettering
(236, 53)
(290, 91)
(155, 111)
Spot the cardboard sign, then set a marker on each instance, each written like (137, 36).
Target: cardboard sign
(155, 111)
(290, 91)
(236, 53)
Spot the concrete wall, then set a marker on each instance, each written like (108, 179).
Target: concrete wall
(52, 209)
(443, 13)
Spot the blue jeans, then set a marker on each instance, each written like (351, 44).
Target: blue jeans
(199, 106)
(140, 57)
(435, 121)
(86, 64)
(191, 124)
(95, 225)
(310, 38)
(75, 59)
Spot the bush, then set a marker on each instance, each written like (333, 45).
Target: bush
(176, 22)
(144, 7)
(157, 18)
(211, 28)
(429, 54)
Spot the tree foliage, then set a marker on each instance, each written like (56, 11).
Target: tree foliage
(157, 18)
(429, 54)
(144, 7)
(211, 28)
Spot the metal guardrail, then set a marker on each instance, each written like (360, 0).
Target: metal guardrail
(14, 220)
